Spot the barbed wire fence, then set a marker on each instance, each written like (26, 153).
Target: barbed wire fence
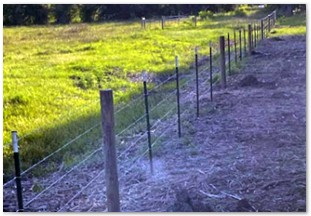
(64, 180)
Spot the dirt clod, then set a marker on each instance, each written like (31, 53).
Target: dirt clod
(249, 80)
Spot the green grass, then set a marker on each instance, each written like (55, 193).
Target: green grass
(294, 25)
(52, 77)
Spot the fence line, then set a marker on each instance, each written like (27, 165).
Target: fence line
(265, 27)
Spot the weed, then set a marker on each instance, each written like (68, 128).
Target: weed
(216, 78)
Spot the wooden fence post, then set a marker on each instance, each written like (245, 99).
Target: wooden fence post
(250, 39)
(244, 39)
(111, 174)
(255, 36)
(235, 48)
(257, 30)
(222, 61)
(240, 42)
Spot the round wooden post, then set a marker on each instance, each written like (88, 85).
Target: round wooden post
(244, 39)
(255, 36)
(235, 48)
(240, 42)
(250, 39)
(111, 173)
(222, 61)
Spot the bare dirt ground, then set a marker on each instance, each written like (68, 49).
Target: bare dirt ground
(246, 151)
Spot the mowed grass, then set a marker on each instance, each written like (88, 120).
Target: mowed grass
(52, 77)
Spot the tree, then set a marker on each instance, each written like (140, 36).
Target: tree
(62, 13)
(39, 14)
(88, 11)
(286, 9)
(25, 14)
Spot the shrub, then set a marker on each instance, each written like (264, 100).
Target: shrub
(204, 15)
(87, 81)
(19, 99)
(239, 12)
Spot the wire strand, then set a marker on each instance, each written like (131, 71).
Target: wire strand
(79, 192)
(63, 176)
(53, 153)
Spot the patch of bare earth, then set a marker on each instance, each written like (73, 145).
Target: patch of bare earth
(246, 151)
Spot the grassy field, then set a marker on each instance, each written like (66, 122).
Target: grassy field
(295, 25)
(52, 74)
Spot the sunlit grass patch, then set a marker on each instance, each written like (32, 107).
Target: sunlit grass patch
(293, 25)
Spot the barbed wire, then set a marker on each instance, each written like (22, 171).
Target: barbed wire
(64, 115)
(63, 176)
(162, 83)
(145, 133)
(79, 192)
(95, 178)
(86, 186)
(53, 153)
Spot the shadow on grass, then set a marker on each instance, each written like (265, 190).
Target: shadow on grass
(82, 135)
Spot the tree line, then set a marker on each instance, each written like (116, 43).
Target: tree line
(41, 14)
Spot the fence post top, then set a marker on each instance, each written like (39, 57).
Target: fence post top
(144, 75)
(15, 141)
(196, 50)
(106, 90)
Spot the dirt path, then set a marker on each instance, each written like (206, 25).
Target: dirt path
(246, 154)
